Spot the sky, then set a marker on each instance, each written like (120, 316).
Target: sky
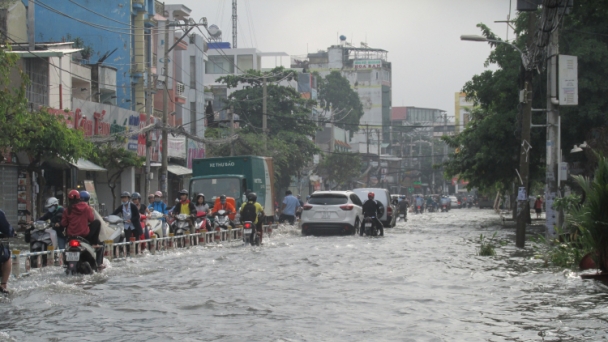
(430, 63)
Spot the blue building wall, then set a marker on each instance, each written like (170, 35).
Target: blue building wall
(104, 25)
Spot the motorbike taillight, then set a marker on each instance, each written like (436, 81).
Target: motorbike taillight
(74, 243)
(247, 225)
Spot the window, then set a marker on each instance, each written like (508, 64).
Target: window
(244, 62)
(220, 65)
(192, 72)
(355, 199)
(328, 199)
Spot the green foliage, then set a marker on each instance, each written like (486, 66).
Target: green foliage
(489, 146)
(565, 251)
(289, 124)
(339, 167)
(115, 158)
(335, 89)
(487, 246)
(13, 104)
(592, 217)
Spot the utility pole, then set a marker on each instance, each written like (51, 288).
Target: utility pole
(231, 111)
(445, 150)
(264, 114)
(523, 206)
(165, 135)
(332, 137)
(234, 24)
(433, 163)
(553, 149)
(148, 141)
(368, 160)
(379, 150)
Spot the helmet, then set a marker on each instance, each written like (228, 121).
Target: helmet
(125, 194)
(177, 201)
(150, 196)
(183, 192)
(223, 199)
(51, 202)
(200, 194)
(74, 194)
(402, 196)
(252, 196)
(85, 196)
(371, 195)
(299, 196)
(136, 195)
(158, 193)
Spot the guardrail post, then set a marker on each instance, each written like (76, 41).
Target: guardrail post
(229, 233)
(153, 245)
(50, 258)
(172, 240)
(16, 268)
(218, 234)
(109, 252)
(133, 245)
(38, 261)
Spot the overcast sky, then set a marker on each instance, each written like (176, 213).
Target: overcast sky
(422, 37)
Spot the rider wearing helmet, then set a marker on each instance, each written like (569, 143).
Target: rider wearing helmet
(223, 204)
(136, 199)
(130, 214)
(371, 208)
(78, 217)
(254, 212)
(158, 204)
(200, 203)
(185, 207)
(54, 214)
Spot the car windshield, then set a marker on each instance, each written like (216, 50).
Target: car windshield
(214, 187)
(328, 199)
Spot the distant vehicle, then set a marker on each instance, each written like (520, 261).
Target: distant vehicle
(485, 201)
(454, 202)
(388, 218)
(337, 212)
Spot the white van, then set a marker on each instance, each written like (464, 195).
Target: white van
(388, 218)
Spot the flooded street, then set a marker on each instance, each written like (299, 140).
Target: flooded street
(421, 282)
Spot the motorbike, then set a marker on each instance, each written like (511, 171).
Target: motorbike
(250, 234)
(155, 224)
(40, 235)
(202, 222)
(80, 257)
(418, 209)
(369, 228)
(470, 205)
(431, 209)
(117, 224)
(444, 208)
(221, 220)
(181, 226)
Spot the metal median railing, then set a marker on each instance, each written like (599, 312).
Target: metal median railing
(123, 250)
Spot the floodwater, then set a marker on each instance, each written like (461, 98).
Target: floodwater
(421, 282)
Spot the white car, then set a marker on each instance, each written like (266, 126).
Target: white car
(454, 202)
(337, 212)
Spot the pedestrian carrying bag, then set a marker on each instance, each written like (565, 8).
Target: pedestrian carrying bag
(249, 212)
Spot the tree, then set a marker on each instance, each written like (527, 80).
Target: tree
(289, 124)
(115, 158)
(340, 167)
(335, 90)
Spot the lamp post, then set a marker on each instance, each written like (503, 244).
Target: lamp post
(524, 161)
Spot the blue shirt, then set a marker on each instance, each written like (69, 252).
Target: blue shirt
(5, 228)
(126, 215)
(160, 207)
(291, 204)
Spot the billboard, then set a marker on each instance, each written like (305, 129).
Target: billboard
(568, 80)
(367, 64)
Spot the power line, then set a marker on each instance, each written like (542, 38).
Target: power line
(99, 14)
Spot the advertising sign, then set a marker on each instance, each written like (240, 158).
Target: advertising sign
(367, 64)
(568, 80)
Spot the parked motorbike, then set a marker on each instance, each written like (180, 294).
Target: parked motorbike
(40, 235)
(250, 234)
(369, 228)
(80, 257)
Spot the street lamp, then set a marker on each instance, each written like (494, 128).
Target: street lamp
(579, 148)
(476, 38)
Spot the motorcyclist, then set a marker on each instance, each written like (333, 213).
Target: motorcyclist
(158, 204)
(54, 214)
(200, 203)
(227, 206)
(258, 218)
(136, 199)
(445, 200)
(419, 203)
(371, 208)
(85, 196)
(185, 206)
(77, 217)
(429, 203)
(130, 214)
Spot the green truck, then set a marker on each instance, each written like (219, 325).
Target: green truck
(234, 177)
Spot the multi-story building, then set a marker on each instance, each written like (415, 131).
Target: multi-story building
(370, 75)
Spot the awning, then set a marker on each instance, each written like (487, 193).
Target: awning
(178, 170)
(45, 53)
(87, 165)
